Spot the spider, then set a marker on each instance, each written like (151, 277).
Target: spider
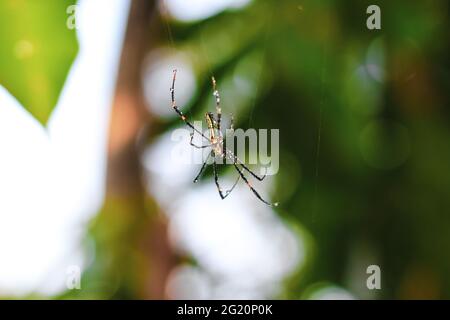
(216, 143)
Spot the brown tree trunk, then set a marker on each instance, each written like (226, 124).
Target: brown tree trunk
(144, 229)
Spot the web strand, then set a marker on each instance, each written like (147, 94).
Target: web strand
(267, 24)
(164, 16)
(320, 121)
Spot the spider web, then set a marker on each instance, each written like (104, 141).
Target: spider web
(266, 26)
(315, 206)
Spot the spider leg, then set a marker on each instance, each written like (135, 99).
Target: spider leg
(202, 169)
(253, 189)
(218, 108)
(216, 179)
(228, 134)
(236, 160)
(178, 111)
(191, 142)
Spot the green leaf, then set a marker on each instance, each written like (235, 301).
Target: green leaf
(36, 52)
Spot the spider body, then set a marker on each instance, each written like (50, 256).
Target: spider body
(216, 143)
(215, 135)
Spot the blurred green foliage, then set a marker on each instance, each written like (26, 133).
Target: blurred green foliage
(364, 132)
(35, 52)
(364, 128)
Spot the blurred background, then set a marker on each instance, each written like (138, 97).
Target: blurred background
(89, 184)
